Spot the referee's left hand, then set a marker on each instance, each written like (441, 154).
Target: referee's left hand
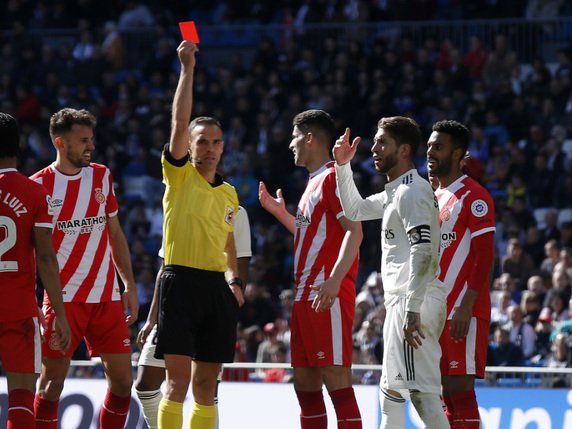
(237, 292)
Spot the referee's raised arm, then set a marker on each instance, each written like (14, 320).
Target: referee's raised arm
(183, 101)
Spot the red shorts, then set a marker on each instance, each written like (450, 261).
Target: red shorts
(101, 324)
(20, 346)
(322, 339)
(468, 356)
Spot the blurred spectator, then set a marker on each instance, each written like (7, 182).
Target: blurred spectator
(552, 253)
(134, 16)
(264, 353)
(502, 352)
(521, 334)
(560, 357)
(499, 310)
(517, 263)
(530, 307)
(113, 46)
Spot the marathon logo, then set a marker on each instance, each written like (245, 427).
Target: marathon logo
(447, 238)
(85, 226)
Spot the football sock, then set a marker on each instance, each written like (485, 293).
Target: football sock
(392, 410)
(150, 403)
(450, 410)
(114, 411)
(346, 407)
(465, 410)
(21, 409)
(313, 410)
(170, 414)
(46, 413)
(202, 416)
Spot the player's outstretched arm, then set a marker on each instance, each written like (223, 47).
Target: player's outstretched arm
(276, 206)
(122, 261)
(183, 101)
(48, 269)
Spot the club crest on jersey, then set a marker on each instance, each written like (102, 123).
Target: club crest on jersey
(479, 208)
(446, 215)
(99, 197)
(229, 218)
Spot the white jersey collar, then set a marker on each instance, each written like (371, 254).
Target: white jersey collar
(7, 170)
(405, 179)
(321, 169)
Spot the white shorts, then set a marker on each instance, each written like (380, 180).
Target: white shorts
(147, 356)
(405, 368)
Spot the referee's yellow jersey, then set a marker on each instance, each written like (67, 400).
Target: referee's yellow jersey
(198, 216)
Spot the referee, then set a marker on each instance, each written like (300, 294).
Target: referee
(200, 292)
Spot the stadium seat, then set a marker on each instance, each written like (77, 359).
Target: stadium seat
(540, 216)
(564, 215)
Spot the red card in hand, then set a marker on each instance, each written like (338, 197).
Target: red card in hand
(189, 31)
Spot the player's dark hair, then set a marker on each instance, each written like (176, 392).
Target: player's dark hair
(404, 130)
(62, 122)
(9, 136)
(460, 135)
(204, 120)
(316, 122)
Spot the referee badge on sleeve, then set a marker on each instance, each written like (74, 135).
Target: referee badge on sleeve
(229, 218)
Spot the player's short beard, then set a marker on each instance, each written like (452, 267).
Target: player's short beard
(78, 162)
(389, 161)
(443, 167)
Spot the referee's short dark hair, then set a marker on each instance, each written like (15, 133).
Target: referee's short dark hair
(9, 136)
(204, 120)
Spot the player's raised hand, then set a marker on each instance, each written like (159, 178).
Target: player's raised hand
(186, 52)
(343, 151)
(271, 204)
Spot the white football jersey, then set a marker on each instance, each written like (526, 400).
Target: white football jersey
(410, 215)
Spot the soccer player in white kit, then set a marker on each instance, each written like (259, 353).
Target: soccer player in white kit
(414, 297)
(151, 370)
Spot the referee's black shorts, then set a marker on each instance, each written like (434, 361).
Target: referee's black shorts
(198, 314)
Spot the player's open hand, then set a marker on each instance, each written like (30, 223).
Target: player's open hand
(343, 151)
(460, 323)
(130, 305)
(62, 334)
(271, 204)
(144, 333)
(186, 52)
(326, 295)
(412, 329)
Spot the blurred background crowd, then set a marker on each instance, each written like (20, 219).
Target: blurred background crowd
(505, 71)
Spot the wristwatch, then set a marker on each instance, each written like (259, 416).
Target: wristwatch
(236, 281)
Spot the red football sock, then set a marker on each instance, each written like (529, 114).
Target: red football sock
(21, 409)
(313, 415)
(46, 413)
(466, 410)
(450, 410)
(346, 407)
(114, 411)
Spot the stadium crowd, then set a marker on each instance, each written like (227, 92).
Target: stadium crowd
(520, 116)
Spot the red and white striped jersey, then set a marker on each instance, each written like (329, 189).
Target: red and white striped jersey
(24, 205)
(318, 236)
(466, 211)
(82, 203)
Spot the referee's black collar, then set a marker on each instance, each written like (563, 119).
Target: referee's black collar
(181, 162)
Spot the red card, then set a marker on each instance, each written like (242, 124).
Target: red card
(189, 31)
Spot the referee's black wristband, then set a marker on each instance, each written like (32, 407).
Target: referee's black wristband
(236, 281)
